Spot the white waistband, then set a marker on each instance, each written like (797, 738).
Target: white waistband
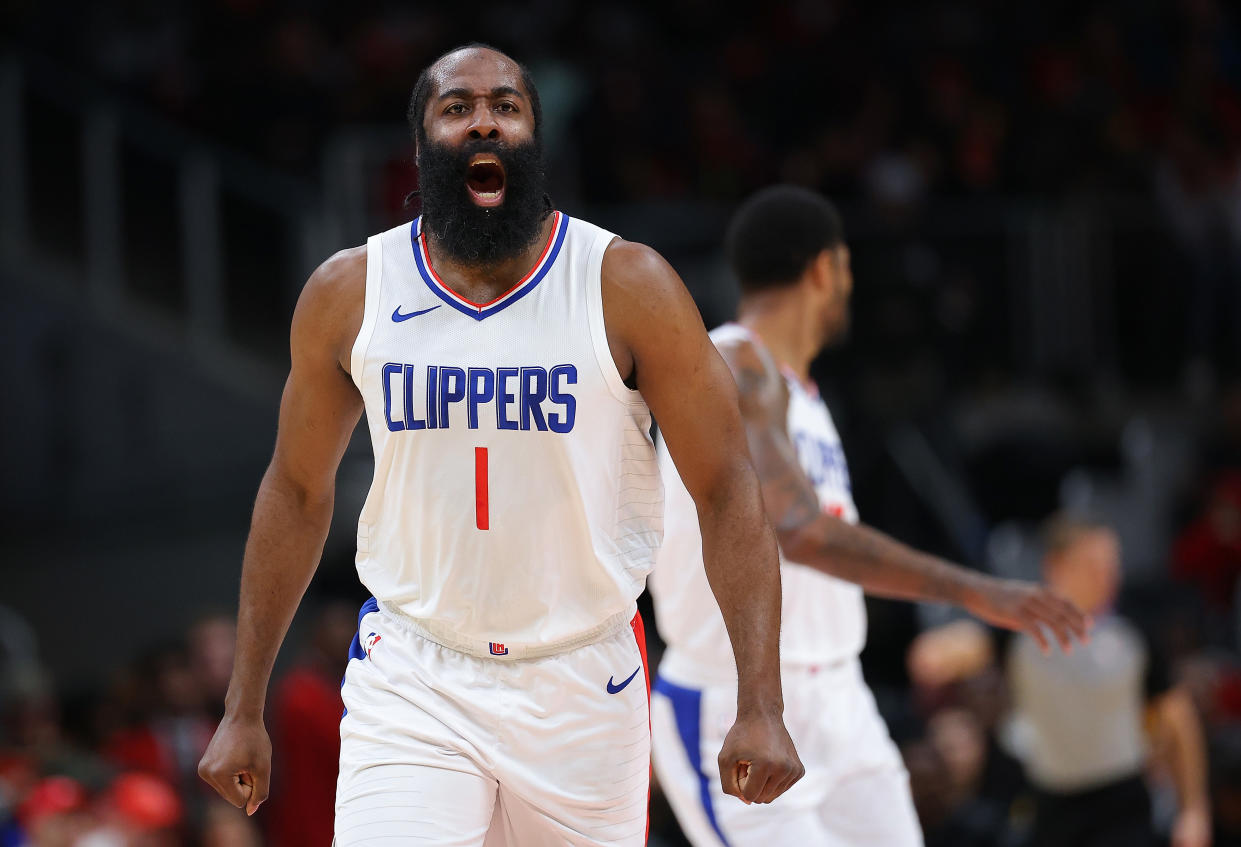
(446, 637)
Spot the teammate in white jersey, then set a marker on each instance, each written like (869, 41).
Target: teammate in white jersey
(508, 359)
(787, 248)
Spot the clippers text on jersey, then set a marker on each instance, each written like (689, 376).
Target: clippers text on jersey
(520, 398)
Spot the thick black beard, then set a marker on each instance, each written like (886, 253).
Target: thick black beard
(468, 233)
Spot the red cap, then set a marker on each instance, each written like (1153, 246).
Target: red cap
(145, 801)
(51, 796)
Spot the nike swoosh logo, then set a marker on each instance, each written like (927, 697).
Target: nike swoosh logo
(397, 317)
(617, 689)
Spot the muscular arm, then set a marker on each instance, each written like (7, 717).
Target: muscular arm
(658, 341)
(318, 411)
(859, 554)
(1188, 763)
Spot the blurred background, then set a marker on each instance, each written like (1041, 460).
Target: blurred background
(1043, 201)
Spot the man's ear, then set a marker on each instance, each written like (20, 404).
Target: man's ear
(824, 270)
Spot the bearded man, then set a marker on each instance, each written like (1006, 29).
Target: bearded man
(509, 360)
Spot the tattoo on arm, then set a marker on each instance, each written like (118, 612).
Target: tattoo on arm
(858, 554)
(789, 496)
(790, 503)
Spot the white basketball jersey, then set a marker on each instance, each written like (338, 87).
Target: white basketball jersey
(823, 619)
(516, 504)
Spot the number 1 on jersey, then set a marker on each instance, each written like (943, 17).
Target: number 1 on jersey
(480, 487)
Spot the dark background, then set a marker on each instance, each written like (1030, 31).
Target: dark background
(1043, 202)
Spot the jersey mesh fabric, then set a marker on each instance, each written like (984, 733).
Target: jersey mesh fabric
(568, 489)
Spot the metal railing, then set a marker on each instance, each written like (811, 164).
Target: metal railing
(205, 316)
(1052, 264)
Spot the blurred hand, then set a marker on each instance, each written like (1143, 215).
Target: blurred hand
(1028, 607)
(949, 653)
(758, 762)
(1192, 828)
(237, 763)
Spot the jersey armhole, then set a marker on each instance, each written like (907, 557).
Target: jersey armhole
(598, 326)
(370, 309)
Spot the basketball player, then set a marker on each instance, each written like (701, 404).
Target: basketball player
(508, 359)
(787, 248)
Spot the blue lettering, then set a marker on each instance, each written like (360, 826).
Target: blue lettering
(482, 389)
(448, 395)
(533, 393)
(823, 461)
(562, 423)
(411, 420)
(390, 370)
(529, 398)
(504, 397)
(433, 374)
(810, 457)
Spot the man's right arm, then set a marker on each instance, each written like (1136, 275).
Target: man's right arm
(859, 554)
(658, 339)
(318, 412)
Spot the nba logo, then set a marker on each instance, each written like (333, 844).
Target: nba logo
(498, 649)
(371, 641)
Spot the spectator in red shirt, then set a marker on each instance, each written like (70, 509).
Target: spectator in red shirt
(1208, 552)
(306, 735)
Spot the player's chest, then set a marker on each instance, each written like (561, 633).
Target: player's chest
(496, 375)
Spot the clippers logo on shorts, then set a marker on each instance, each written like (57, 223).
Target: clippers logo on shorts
(520, 398)
(498, 649)
(369, 644)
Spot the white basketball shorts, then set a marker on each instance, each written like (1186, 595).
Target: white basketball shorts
(440, 747)
(855, 792)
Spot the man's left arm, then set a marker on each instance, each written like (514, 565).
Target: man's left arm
(1187, 760)
(659, 344)
(859, 554)
(886, 567)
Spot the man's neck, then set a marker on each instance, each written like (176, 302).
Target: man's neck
(785, 327)
(484, 283)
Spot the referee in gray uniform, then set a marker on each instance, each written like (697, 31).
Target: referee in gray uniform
(1081, 717)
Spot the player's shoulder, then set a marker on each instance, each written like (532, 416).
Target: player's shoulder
(331, 302)
(759, 383)
(338, 282)
(638, 269)
(739, 348)
(642, 294)
(342, 274)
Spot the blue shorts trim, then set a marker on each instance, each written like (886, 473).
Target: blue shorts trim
(356, 651)
(687, 709)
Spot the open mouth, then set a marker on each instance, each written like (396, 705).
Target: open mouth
(485, 180)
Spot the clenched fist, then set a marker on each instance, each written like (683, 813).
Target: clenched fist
(758, 762)
(237, 763)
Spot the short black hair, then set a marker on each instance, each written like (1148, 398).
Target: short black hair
(777, 233)
(422, 91)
